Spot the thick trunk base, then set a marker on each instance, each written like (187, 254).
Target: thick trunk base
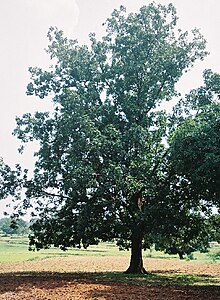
(136, 262)
(131, 270)
(181, 256)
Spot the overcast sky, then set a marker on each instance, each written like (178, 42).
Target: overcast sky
(23, 28)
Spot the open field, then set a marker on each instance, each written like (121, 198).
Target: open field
(15, 248)
(98, 274)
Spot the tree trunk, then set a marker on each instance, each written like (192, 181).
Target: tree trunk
(180, 255)
(136, 261)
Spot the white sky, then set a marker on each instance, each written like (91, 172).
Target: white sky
(23, 28)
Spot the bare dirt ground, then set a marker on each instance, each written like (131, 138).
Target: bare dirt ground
(84, 277)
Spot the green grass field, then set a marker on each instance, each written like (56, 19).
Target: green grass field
(15, 248)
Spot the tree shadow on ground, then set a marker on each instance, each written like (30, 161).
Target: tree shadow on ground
(113, 285)
(163, 277)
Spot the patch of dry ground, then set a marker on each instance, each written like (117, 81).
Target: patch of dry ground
(68, 278)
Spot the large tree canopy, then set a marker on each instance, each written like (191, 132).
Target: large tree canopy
(103, 168)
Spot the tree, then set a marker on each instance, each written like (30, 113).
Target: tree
(194, 235)
(195, 156)
(103, 170)
(7, 226)
(195, 145)
(11, 180)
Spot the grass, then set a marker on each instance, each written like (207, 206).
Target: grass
(15, 248)
(158, 279)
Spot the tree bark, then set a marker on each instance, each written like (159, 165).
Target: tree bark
(136, 261)
(180, 255)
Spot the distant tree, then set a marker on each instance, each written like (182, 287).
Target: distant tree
(21, 227)
(104, 169)
(5, 226)
(8, 226)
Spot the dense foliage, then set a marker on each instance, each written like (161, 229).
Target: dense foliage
(108, 165)
(195, 145)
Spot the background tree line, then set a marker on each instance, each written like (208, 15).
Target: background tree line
(7, 226)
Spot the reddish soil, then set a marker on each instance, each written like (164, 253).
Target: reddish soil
(68, 278)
